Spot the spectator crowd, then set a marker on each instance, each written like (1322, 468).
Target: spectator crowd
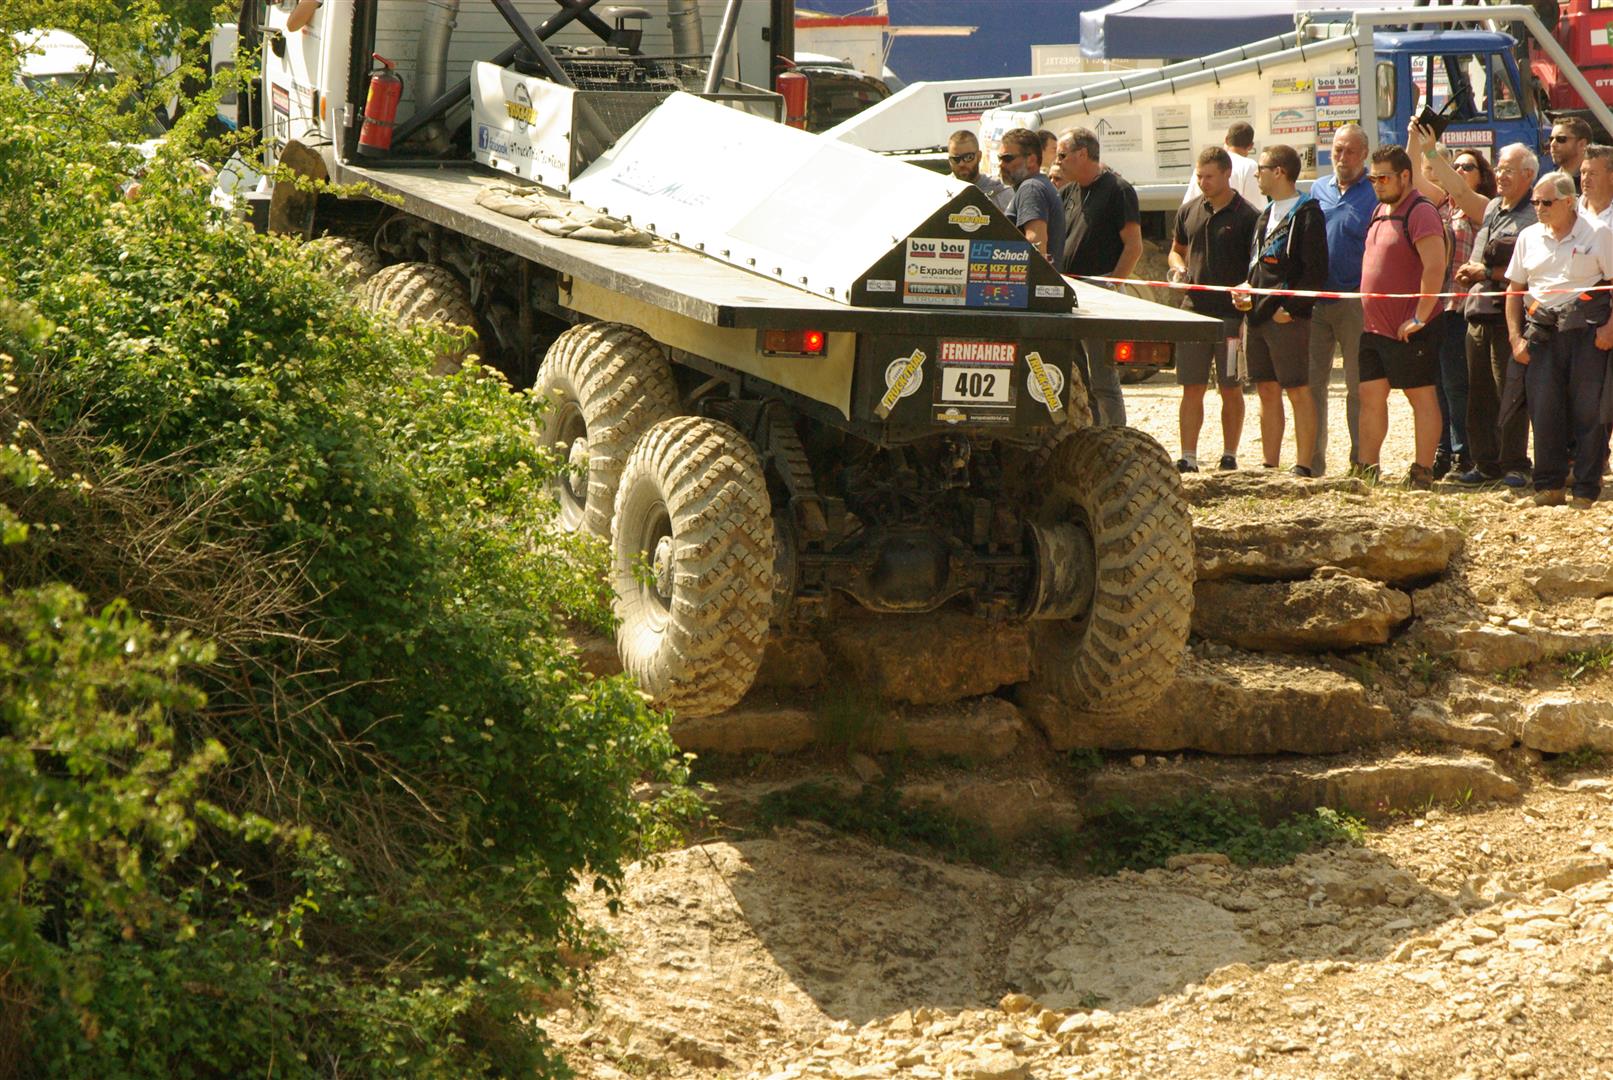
(1477, 295)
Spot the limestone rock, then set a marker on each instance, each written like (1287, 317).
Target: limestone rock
(1476, 731)
(1558, 724)
(1004, 808)
(977, 729)
(1253, 706)
(1559, 581)
(938, 658)
(748, 729)
(1314, 615)
(1371, 788)
(866, 768)
(1204, 488)
(999, 1065)
(1479, 648)
(792, 664)
(1408, 782)
(1564, 874)
(1386, 546)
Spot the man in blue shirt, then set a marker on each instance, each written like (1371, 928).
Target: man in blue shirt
(1347, 203)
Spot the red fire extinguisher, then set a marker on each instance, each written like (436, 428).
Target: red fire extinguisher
(380, 108)
(793, 88)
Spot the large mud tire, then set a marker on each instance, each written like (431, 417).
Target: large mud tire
(692, 565)
(350, 261)
(607, 384)
(413, 293)
(1123, 653)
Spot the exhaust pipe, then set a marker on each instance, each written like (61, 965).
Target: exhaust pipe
(688, 34)
(431, 66)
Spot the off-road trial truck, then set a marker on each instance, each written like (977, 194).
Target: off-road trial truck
(801, 378)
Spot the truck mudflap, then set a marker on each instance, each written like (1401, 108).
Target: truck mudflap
(916, 386)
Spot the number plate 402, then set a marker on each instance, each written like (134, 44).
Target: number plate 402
(976, 385)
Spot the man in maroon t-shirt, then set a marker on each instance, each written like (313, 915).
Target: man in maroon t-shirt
(1399, 347)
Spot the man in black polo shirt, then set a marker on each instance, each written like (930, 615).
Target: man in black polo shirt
(1106, 241)
(1213, 237)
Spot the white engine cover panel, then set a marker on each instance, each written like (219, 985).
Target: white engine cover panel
(812, 212)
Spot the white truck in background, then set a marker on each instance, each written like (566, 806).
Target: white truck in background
(1299, 88)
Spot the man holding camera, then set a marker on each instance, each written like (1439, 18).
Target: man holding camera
(1500, 451)
(1562, 335)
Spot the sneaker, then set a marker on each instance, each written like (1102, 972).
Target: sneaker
(1551, 497)
(1517, 478)
(1473, 477)
(1580, 502)
(1184, 465)
(1301, 471)
(1420, 478)
(1442, 464)
(1228, 463)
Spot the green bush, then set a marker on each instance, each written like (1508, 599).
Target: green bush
(295, 767)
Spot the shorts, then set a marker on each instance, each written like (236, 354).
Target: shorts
(1193, 358)
(1280, 353)
(1406, 364)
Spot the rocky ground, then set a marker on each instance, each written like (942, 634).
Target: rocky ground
(1437, 663)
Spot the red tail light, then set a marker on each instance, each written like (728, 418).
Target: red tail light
(793, 342)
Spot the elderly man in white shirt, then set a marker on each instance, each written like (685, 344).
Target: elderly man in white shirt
(1562, 335)
(1596, 180)
(1240, 144)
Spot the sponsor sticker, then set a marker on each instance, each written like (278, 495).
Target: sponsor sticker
(969, 219)
(1033, 385)
(903, 376)
(1291, 86)
(962, 105)
(881, 285)
(936, 271)
(1049, 292)
(1453, 137)
(977, 352)
(1231, 109)
(1042, 378)
(1293, 120)
(1120, 134)
(999, 273)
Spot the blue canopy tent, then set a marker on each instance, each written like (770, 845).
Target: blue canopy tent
(1178, 29)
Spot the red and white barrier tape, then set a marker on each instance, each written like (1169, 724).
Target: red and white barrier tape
(1320, 294)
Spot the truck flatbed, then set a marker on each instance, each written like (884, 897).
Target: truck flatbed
(708, 290)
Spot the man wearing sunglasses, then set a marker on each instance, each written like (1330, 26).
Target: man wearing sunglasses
(1561, 335)
(1037, 208)
(1569, 137)
(963, 157)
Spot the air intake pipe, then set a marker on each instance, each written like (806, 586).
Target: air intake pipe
(431, 64)
(688, 33)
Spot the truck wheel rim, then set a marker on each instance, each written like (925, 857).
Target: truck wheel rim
(572, 440)
(654, 547)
